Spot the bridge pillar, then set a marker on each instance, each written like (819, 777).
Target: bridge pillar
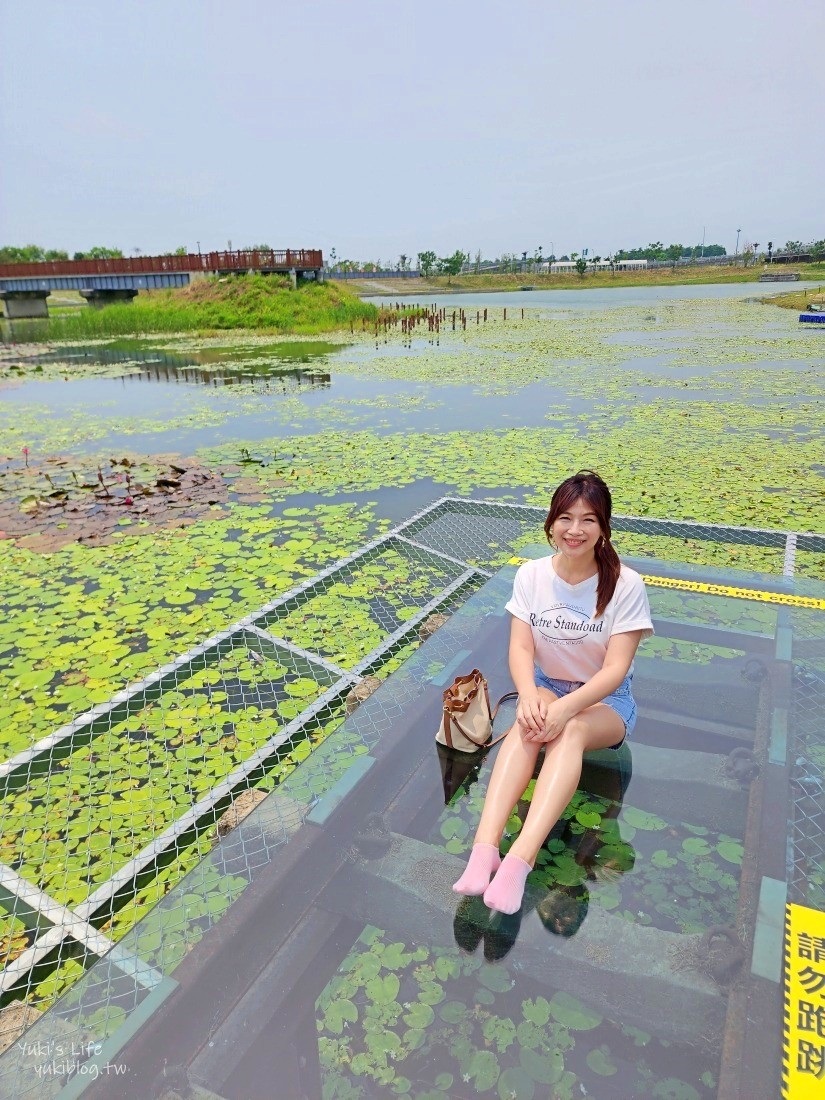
(320, 277)
(293, 278)
(100, 298)
(25, 303)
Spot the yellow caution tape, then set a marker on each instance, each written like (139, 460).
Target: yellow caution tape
(723, 590)
(803, 1054)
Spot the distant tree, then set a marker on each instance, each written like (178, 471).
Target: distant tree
(55, 254)
(565, 259)
(581, 266)
(452, 265)
(402, 262)
(181, 250)
(673, 253)
(817, 250)
(25, 254)
(793, 246)
(426, 262)
(478, 261)
(100, 252)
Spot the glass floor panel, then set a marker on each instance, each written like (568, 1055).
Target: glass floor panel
(318, 951)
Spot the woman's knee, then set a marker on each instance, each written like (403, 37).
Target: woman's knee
(576, 733)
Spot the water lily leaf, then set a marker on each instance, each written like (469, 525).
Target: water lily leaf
(570, 1011)
(431, 993)
(639, 819)
(454, 827)
(588, 818)
(484, 1067)
(515, 1082)
(660, 858)
(383, 990)
(394, 956)
(495, 978)
(600, 1062)
(419, 1016)
(672, 1088)
(453, 1012)
(537, 1012)
(414, 1038)
(696, 845)
(731, 851)
(446, 967)
(546, 1068)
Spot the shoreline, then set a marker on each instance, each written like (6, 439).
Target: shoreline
(386, 287)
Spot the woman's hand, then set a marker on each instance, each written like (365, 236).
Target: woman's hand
(530, 714)
(556, 717)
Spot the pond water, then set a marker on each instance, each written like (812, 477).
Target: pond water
(189, 394)
(597, 298)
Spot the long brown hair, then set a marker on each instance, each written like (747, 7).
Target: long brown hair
(588, 486)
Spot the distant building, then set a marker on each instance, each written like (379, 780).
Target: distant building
(563, 266)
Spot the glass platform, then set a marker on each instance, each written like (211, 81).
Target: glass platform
(318, 951)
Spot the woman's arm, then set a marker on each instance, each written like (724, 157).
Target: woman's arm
(531, 711)
(621, 649)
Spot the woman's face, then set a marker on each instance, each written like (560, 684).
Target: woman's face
(577, 530)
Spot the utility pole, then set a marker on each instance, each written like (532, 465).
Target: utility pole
(703, 242)
(736, 253)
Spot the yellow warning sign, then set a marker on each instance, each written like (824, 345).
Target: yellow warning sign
(803, 1056)
(738, 593)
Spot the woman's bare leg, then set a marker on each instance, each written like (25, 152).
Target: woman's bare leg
(598, 727)
(512, 771)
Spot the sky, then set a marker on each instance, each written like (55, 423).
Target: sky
(379, 129)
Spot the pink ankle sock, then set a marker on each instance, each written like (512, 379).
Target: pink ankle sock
(507, 889)
(484, 860)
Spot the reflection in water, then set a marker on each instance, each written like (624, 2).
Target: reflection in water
(474, 922)
(287, 380)
(277, 362)
(563, 907)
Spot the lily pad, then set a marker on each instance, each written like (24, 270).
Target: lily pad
(570, 1011)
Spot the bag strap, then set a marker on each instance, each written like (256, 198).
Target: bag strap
(509, 695)
(493, 713)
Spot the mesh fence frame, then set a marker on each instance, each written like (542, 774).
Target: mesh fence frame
(271, 690)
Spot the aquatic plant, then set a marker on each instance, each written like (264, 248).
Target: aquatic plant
(437, 1023)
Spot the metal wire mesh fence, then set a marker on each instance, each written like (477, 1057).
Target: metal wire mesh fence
(102, 818)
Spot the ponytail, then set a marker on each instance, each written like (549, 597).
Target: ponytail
(609, 567)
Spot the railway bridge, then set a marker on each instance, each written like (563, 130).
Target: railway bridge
(25, 288)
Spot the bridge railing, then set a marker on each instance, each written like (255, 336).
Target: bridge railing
(237, 260)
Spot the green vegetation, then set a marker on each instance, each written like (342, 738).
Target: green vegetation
(265, 303)
(33, 254)
(797, 299)
(660, 276)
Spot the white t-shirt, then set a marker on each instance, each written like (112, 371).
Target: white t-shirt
(570, 644)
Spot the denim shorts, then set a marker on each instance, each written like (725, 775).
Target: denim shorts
(621, 700)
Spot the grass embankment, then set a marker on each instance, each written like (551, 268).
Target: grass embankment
(265, 303)
(591, 279)
(797, 299)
